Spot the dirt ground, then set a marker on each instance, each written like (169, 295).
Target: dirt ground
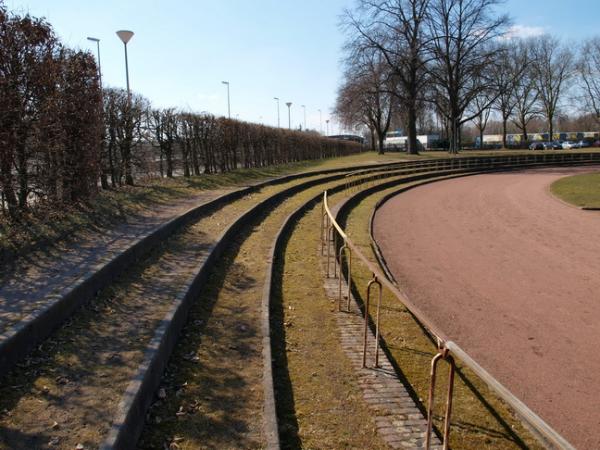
(509, 273)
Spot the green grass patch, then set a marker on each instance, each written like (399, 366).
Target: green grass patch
(579, 190)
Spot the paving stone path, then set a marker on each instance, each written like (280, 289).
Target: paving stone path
(398, 420)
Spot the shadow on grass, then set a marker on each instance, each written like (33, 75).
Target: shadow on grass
(285, 405)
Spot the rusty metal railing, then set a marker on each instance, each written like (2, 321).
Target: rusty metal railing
(447, 350)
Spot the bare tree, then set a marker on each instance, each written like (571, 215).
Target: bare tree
(163, 125)
(553, 66)
(506, 74)
(588, 68)
(395, 28)
(365, 96)
(483, 108)
(462, 33)
(525, 94)
(26, 43)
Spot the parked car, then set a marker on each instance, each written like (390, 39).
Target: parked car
(584, 144)
(568, 145)
(548, 145)
(536, 146)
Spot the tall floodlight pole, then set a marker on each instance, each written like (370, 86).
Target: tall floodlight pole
(289, 105)
(320, 122)
(327, 122)
(125, 36)
(228, 99)
(304, 108)
(97, 41)
(278, 121)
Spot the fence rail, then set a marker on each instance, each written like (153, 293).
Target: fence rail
(333, 234)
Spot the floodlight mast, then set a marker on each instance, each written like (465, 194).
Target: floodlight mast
(97, 41)
(228, 99)
(289, 105)
(125, 36)
(304, 108)
(278, 121)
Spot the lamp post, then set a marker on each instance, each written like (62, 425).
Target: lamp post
(289, 105)
(327, 122)
(97, 41)
(125, 36)
(278, 121)
(304, 108)
(228, 99)
(320, 122)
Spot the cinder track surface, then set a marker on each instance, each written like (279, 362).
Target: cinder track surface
(510, 273)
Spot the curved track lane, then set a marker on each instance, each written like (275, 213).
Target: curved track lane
(510, 273)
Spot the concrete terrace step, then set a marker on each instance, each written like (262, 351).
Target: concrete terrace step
(41, 276)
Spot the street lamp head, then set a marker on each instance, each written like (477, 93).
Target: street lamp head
(93, 39)
(304, 106)
(225, 82)
(276, 98)
(289, 104)
(125, 35)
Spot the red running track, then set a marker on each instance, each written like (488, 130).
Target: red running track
(512, 275)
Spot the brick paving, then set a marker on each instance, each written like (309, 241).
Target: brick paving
(398, 420)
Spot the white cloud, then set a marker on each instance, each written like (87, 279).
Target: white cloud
(524, 31)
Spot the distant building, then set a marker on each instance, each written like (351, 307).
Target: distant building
(349, 137)
(395, 140)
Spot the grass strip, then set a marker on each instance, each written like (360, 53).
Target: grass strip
(579, 190)
(319, 402)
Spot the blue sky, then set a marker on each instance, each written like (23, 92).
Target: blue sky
(290, 49)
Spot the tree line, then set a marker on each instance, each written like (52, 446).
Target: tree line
(412, 63)
(165, 142)
(63, 137)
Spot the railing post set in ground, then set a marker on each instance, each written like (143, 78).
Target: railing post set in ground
(446, 349)
(330, 230)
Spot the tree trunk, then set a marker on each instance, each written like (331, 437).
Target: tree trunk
(372, 138)
(413, 148)
(7, 187)
(169, 155)
(380, 139)
(22, 173)
(481, 137)
(504, 120)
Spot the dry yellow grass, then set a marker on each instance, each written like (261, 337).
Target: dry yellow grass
(321, 406)
(213, 387)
